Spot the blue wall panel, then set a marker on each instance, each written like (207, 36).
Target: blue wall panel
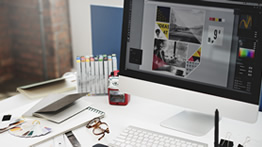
(106, 23)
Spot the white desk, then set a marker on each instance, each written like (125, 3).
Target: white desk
(140, 112)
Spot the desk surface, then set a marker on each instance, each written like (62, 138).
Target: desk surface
(139, 112)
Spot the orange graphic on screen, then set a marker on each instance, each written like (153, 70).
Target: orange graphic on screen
(246, 22)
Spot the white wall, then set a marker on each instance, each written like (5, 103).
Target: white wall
(80, 20)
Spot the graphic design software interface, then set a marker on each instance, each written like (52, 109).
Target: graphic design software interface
(208, 45)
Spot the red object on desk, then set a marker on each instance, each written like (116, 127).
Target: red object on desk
(115, 97)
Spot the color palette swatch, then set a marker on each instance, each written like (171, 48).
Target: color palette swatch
(246, 53)
(217, 19)
(15, 122)
(30, 129)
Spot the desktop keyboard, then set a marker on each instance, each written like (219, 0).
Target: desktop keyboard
(138, 137)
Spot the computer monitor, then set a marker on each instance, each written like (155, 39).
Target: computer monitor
(202, 55)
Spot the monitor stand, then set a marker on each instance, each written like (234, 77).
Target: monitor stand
(189, 122)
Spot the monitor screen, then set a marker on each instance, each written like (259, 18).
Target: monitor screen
(202, 46)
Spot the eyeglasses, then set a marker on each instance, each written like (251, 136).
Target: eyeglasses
(100, 128)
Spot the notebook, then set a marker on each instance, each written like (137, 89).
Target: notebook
(59, 107)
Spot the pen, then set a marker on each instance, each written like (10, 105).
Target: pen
(216, 129)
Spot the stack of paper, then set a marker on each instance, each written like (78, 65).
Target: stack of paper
(42, 89)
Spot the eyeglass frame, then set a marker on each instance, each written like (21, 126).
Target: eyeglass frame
(97, 122)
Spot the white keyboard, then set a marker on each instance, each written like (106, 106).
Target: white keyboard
(138, 137)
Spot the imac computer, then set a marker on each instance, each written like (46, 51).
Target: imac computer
(202, 55)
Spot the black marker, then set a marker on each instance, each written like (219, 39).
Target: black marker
(216, 144)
